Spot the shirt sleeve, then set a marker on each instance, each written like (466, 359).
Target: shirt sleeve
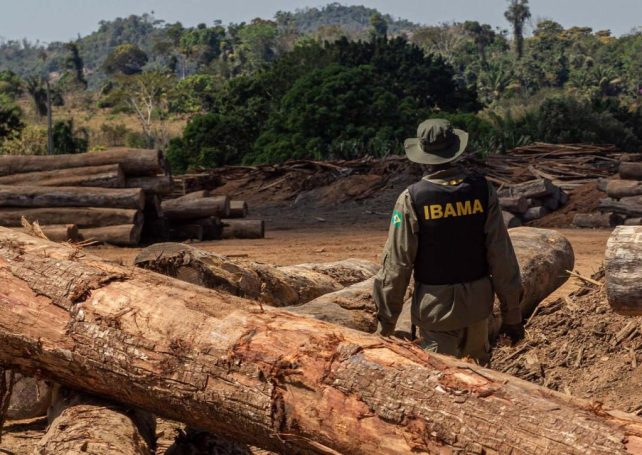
(504, 268)
(392, 280)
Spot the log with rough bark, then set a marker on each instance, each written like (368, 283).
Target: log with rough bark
(238, 209)
(59, 232)
(157, 184)
(617, 189)
(544, 256)
(107, 176)
(30, 398)
(81, 216)
(597, 220)
(200, 194)
(82, 424)
(70, 196)
(195, 182)
(602, 184)
(511, 220)
(537, 188)
(267, 377)
(180, 232)
(212, 227)
(633, 222)
(119, 235)
(623, 266)
(243, 229)
(535, 213)
(514, 204)
(191, 209)
(132, 161)
(276, 286)
(629, 206)
(630, 170)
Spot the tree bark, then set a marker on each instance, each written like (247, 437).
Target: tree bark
(195, 182)
(81, 424)
(631, 171)
(60, 233)
(157, 184)
(119, 235)
(238, 209)
(69, 196)
(267, 377)
(30, 398)
(537, 188)
(200, 194)
(511, 220)
(276, 286)
(597, 220)
(629, 206)
(133, 161)
(514, 204)
(212, 227)
(190, 209)
(535, 213)
(83, 217)
(107, 176)
(617, 189)
(243, 229)
(633, 222)
(623, 264)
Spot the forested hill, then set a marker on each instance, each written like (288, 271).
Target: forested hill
(162, 41)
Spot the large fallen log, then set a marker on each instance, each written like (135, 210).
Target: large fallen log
(514, 204)
(59, 233)
(212, 227)
(597, 220)
(276, 286)
(69, 196)
(83, 217)
(133, 161)
(268, 377)
(81, 424)
(623, 188)
(537, 188)
(241, 228)
(629, 206)
(544, 256)
(119, 235)
(238, 209)
(631, 170)
(30, 398)
(623, 266)
(161, 184)
(511, 220)
(195, 208)
(107, 176)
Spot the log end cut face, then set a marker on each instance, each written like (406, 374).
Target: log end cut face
(624, 270)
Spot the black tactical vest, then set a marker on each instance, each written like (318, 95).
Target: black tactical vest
(452, 241)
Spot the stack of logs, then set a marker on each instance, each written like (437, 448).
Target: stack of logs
(100, 196)
(624, 202)
(201, 216)
(530, 201)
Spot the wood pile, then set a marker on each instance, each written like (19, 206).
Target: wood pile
(106, 197)
(623, 204)
(530, 201)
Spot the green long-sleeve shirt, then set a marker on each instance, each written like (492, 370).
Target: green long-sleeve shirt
(446, 307)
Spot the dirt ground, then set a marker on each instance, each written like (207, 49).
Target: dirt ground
(319, 241)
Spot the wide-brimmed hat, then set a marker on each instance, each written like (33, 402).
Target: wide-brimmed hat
(437, 142)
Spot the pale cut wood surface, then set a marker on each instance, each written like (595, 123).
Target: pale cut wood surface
(623, 263)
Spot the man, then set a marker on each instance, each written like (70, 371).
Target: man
(448, 229)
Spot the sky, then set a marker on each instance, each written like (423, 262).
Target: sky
(62, 20)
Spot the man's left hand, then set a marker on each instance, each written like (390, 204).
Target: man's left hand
(513, 331)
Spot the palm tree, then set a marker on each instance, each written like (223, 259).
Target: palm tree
(517, 14)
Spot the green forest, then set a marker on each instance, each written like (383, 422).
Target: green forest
(335, 82)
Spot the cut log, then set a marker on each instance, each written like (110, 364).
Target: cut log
(191, 209)
(602, 184)
(623, 264)
(157, 184)
(537, 188)
(196, 182)
(155, 230)
(153, 206)
(511, 220)
(200, 194)
(597, 220)
(238, 209)
(107, 176)
(629, 206)
(82, 424)
(212, 227)
(630, 170)
(633, 222)
(60, 233)
(119, 235)
(267, 377)
(243, 229)
(180, 232)
(83, 217)
(69, 196)
(535, 213)
(552, 202)
(276, 286)
(30, 398)
(617, 189)
(564, 198)
(514, 204)
(132, 161)
(544, 256)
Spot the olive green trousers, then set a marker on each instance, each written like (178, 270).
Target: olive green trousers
(471, 341)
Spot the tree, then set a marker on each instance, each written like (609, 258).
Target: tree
(379, 26)
(67, 139)
(75, 63)
(10, 118)
(482, 35)
(517, 13)
(10, 84)
(125, 59)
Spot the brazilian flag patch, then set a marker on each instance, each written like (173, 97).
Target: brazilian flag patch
(396, 219)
